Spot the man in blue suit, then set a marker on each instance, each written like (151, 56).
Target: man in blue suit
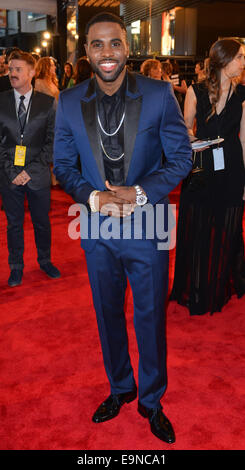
(118, 123)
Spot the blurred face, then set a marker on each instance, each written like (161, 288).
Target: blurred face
(2, 66)
(236, 66)
(242, 78)
(107, 51)
(156, 72)
(52, 67)
(20, 75)
(197, 68)
(67, 69)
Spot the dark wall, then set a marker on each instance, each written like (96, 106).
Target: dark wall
(59, 39)
(25, 41)
(219, 19)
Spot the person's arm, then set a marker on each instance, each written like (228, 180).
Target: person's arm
(190, 110)
(21, 179)
(45, 156)
(65, 159)
(189, 116)
(177, 150)
(176, 145)
(7, 166)
(182, 88)
(46, 153)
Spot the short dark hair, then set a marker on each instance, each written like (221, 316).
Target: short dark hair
(9, 51)
(104, 17)
(20, 55)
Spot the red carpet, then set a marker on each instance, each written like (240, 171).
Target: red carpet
(52, 375)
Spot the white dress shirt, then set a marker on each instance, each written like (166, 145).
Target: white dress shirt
(27, 96)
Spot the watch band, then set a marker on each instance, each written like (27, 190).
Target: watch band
(91, 201)
(138, 190)
(141, 197)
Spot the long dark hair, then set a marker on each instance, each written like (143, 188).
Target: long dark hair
(66, 78)
(83, 70)
(221, 53)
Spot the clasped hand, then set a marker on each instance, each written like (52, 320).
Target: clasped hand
(118, 201)
(21, 179)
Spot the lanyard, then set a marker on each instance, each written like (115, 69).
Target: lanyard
(220, 117)
(22, 127)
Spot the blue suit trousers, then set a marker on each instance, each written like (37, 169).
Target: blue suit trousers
(110, 264)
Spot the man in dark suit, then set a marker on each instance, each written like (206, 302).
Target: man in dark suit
(26, 147)
(118, 123)
(2, 65)
(4, 79)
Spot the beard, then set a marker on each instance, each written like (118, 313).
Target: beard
(106, 77)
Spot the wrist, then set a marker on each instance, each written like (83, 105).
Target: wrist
(92, 202)
(141, 198)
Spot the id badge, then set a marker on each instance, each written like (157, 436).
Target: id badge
(20, 155)
(219, 161)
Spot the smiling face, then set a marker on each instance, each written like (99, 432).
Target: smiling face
(107, 51)
(20, 75)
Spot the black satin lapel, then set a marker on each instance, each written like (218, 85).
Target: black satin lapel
(132, 115)
(91, 125)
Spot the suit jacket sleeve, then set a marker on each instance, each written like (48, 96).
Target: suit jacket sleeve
(177, 150)
(66, 159)
(2, 156)
(45, 157)
(6, 165)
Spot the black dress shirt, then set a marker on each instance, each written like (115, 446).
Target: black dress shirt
(110, 110)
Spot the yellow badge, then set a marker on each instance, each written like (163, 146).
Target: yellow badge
(20, 155)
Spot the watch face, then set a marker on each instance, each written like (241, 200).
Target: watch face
(141, 199)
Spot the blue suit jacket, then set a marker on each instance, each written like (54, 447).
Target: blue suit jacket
(153, 121)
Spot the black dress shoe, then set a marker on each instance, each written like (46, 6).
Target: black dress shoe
(50, 270)
(160, 425)
(15, 277)
(111, 406)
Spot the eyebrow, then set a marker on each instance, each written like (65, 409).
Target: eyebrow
(101, 40)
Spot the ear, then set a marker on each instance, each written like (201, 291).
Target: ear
(86, 49)
(32, 72)
(127, 49)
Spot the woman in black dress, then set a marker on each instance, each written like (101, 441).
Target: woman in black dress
(210, 251)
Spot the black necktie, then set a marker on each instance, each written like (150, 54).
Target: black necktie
(22, 111)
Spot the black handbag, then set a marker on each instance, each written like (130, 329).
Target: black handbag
(196, 179)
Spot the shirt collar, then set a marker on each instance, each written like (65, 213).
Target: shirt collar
(119, 93)
(27, 95)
